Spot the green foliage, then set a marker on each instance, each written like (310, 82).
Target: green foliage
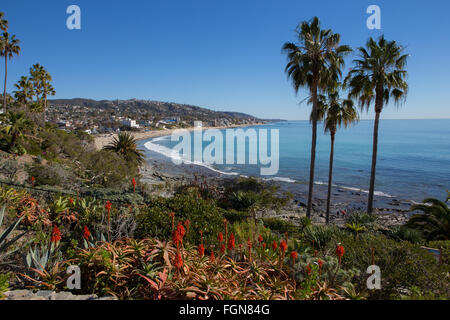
(4, 284)
(406, 234)
(108, 170)
(280, 226)
(435, 220)
(322, 236)
(204, 215)
(125, 146)
(403, 265)
(46, 175)
(4, 243)
(362, 219)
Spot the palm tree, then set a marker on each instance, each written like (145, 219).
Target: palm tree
(9, 48)
(42, 86)
(125, 145)
(314, 62)
(379, 74)
(3, 22)
(335, 112)
(435, 220)
(17, 123)
(24, 91)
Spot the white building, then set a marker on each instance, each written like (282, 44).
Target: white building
(130, 123)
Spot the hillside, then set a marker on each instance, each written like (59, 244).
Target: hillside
(156, 108)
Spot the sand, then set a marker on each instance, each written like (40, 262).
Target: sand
(102, 140)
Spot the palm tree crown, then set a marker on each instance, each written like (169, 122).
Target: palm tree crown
(125, 145)
(3, 22)
(379, 71)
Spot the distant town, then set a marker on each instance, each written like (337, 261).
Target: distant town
(98, 117)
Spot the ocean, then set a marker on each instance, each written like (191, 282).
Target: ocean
(413, 157)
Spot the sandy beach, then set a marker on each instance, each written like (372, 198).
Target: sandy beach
(102, 140)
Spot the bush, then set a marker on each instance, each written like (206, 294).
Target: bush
(154, 220)
(46, 175)
(403, 266)
(322, 235)
(281, 226)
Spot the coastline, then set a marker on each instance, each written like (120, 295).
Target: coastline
(101, 140)
(160, 169)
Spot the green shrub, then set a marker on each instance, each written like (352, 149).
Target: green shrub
(280, 226)
(46, 175)
(403, 266)
(204, 215)
(322, 236)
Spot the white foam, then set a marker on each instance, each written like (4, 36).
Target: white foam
(165, 151)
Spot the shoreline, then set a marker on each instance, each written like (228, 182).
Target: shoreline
(101, 140)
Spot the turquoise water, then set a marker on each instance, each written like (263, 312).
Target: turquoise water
(413, 156)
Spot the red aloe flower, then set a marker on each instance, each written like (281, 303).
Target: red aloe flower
(108, 206)
(201, 250)
(133, 182)
(211, 257)
(178, 234)
(220, 237)
(33, 180)
(222, 249)
(264, 245)
(294, 256)
(178, 260)
(320, 263)
(274, 245)
(71, 201)
(283, 246)
(231, 242)
(249, 244)
(308, 270)
(56, 235)
(86, 233)
(260, 239)
(340, 252)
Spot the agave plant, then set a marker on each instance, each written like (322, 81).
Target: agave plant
(4, 243)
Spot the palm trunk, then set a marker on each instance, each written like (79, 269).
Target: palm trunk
(6, 77)
(313, 149)
(330, 178)
(378, 108)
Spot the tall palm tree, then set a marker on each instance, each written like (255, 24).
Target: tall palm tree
(3, 22)
(378, 74)
(9, 48)
(24, 92)
(125, 145)
(434, 222)
(314, 62)
(335, 112)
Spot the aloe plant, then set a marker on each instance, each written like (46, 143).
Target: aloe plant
(40, 257)
(4, 243)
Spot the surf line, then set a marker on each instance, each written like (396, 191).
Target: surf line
(220, 148)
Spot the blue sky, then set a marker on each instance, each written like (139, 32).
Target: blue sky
(224, 55)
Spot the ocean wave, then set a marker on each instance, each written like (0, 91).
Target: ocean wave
(281, 179)
(176, 156)
(377, 193)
